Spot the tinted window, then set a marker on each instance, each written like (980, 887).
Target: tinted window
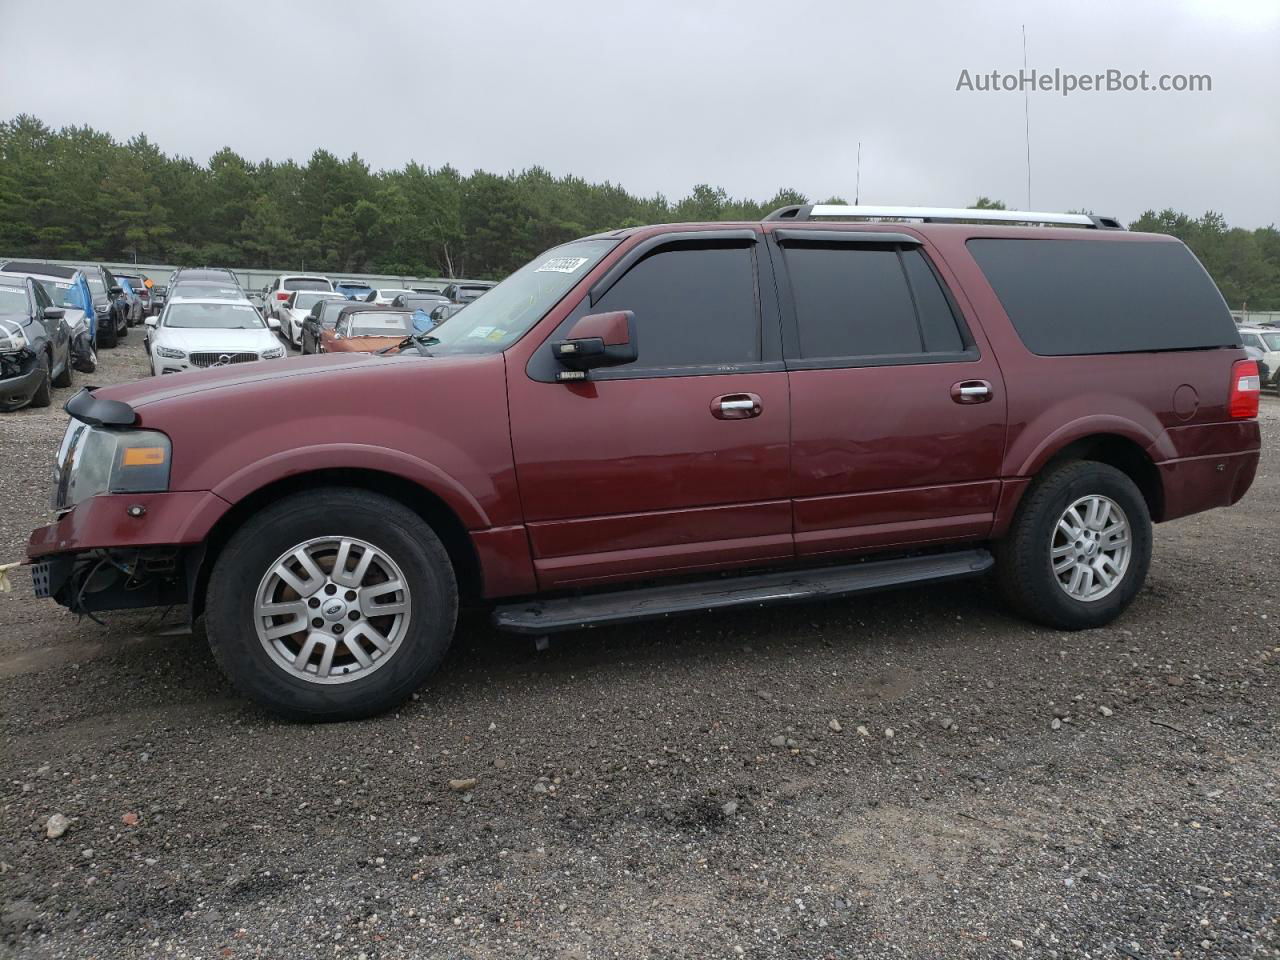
(306, 283)
(851, 301)
(1251, 340)
(378, 325)
(1097, 296)
(937, 320)
(693, 306)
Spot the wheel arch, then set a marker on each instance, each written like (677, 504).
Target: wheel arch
(413, 496)
(1119, 451)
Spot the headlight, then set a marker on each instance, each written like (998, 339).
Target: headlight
(12, 339)
(275, 353)
(95, 460)
(170, 353)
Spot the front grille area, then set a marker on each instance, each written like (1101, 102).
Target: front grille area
(220, 359)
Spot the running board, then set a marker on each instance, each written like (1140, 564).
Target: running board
(649, 603)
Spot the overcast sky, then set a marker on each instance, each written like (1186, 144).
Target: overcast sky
(659, 96)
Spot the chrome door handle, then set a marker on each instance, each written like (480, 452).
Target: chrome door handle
(971, 391)
(736, 406)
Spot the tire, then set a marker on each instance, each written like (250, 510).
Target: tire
(64, 378)
(43, 395)
(313, 521)
(123, 331)
(1025, 558)
(107, 333)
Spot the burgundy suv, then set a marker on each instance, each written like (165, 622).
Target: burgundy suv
(673, 418)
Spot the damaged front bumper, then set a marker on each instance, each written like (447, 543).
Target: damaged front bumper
(115, 579)
(20, 377)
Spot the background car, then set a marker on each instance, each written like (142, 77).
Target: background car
(158, 295)
(353, 289)
(444, 311)
(383, 296)
(365, 330)
(420, 305)
(296, 309)
(204, 290)
(212, 274)
(466, 292)
(196, 334)
(109, 304)
(66, 288)
(277, 292)
(71, 283)
(429, 288)
(140, 300)
(323, 316)
(1266, 341)
(35, 345)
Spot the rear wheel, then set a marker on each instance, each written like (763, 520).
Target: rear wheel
(1079, 547)
(331, 605)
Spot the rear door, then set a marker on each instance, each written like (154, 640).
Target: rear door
(674, 463)
(897, 406)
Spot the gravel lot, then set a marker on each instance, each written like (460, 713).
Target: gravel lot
(911, 775)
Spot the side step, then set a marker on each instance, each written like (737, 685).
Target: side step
(791, 586)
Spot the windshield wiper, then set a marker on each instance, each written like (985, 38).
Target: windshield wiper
(420, 341)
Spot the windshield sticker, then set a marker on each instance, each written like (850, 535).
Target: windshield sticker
(497, 334)
(561, 265)
(480, 333)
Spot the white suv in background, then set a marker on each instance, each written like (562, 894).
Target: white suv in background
(278, 292)
(1266, 340)
(195, 334)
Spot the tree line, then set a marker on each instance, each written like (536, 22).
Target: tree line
(77, 193)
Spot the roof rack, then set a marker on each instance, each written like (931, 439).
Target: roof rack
(811, 211)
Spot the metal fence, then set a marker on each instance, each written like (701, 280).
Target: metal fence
(254, 279)
(1245, 318)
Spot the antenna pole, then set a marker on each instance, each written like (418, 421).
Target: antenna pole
(1026, 111)
(857, 184)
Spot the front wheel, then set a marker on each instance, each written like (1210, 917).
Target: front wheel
(332, 604)
(1079, 547)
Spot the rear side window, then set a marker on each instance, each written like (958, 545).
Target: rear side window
(855, 300)
(1070, 297)
(694, 306)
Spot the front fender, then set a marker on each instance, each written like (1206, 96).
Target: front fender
(355, 456)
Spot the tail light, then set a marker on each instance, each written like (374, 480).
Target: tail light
(281, 295)
(1246, 388)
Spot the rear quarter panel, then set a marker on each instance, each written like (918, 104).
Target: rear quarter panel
(1173, 404)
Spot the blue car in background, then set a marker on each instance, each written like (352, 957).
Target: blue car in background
(353, 289)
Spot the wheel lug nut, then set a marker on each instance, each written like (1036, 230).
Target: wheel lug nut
(317, 622)
(351, 594)
(330, 589)
(337, 628)
(313, 603)
(354, 615)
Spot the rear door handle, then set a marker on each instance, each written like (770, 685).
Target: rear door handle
(971, 391)
(736, 406)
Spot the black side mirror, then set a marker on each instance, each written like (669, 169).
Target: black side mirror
(54, 313)
(597, 340)
(117, 291)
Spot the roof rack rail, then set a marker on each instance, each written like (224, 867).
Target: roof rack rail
(811, 211)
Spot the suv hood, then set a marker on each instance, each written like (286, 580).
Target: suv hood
(208, 338)
(153, 389)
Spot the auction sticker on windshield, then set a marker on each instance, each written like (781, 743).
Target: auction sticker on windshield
(562, 265)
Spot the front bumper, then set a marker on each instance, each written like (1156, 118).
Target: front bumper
(22, 377)
(98, 557)
(103, 522)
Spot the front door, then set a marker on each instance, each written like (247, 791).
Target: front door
(897, 406)
(678, 461)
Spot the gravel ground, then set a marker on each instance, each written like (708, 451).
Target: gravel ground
(911, 775)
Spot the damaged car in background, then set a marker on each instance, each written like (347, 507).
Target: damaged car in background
(35, 344)
(68, 288)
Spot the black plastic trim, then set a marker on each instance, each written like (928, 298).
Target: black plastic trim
(846, 236)
(99, 412)
(757, 590)
(794, 211)
(648, 245)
